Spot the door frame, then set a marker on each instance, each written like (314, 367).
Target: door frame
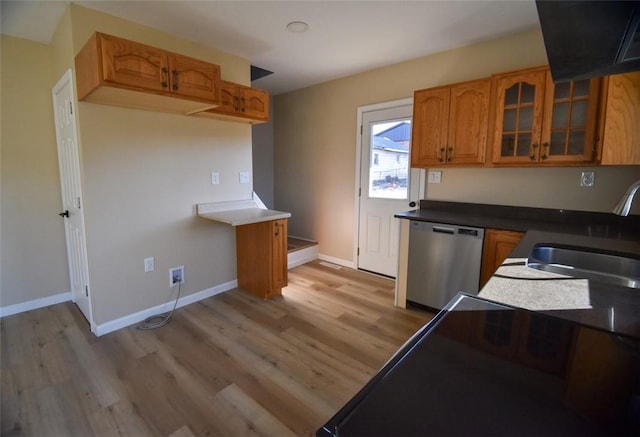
(359, 134)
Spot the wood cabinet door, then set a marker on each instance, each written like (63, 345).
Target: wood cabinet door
(279, 268)
(519, 99)
(137, 66)
(254, 103)
(194, 78)
(621, 139)
(468, 122)
(497, 246)
(242, 102)
(570, 121)
(228, 98)
(430, 126)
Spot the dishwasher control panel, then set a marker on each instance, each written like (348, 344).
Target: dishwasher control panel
(469, 232)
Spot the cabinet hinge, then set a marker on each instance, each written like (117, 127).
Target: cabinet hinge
(358, 252)
(359, 192)
(86, 291)
(79, 203)
(70, 108)
(361, 130)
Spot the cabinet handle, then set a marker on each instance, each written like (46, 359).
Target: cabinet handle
(243, 104)
(534, 146)
(449, 154)
(440, 156)
(277, 229)
(236, 103)
(175, 79)
(165, 72)
(545, 154)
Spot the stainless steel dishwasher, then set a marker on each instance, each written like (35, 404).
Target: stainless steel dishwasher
(443, 260)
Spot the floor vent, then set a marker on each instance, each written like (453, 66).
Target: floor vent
(330, 265)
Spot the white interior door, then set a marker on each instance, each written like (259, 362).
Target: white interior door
(387, 185)
(69, 163)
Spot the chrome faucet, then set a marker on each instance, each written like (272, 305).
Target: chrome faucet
(623, 207)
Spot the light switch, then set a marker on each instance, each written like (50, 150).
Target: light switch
(435, 177)
(215, 178)
(244, 177)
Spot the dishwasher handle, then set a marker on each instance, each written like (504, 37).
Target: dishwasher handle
(444, 230)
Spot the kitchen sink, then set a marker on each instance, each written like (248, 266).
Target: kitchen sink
(587, 263)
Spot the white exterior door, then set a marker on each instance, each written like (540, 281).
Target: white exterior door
(69, 163)
(387, 184)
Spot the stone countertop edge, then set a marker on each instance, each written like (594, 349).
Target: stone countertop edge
(238, 213)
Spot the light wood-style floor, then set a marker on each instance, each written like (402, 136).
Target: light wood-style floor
(229, 365)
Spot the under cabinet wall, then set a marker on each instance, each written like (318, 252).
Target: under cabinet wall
(555, 187)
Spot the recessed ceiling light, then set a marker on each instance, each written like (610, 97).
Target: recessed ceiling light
(297, 26)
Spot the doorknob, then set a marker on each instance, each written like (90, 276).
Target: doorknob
(64, 214)
(412, 204)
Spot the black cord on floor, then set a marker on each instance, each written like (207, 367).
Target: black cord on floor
(159, 320)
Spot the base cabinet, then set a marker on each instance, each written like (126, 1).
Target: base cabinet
(498, 244)
(261, 252)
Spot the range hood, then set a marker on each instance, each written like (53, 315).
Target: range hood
(586, 39)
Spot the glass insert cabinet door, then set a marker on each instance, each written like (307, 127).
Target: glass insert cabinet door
(569, 127)
(519, 111)
(540, 122)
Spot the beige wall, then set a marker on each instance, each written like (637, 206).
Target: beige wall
(33, 256)
(315, 145)
(539, 187)
(143, 173)
(262, 140)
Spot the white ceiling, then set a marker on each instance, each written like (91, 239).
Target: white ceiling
(345, 37)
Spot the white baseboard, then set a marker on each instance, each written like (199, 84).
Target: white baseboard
(302, 256)
(339, 261)
(123, 322)
(35, 304)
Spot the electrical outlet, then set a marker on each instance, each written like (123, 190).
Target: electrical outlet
(244, 177)
(435, 177)
(149, 264)
(176, 276)
(215, 178)
(587, 179)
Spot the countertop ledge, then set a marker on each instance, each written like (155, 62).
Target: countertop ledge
(238, 213)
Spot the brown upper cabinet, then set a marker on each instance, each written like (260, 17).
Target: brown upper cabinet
(108, 68)
(539, 123)
(450, 124)
(621, 136)
(241, 103)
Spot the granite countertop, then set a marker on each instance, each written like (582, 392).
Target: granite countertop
(459, 376)
(523, 219)
(610, 307)
(605, 306)
(237, 213)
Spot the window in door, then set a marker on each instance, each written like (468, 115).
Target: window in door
(389, 167)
